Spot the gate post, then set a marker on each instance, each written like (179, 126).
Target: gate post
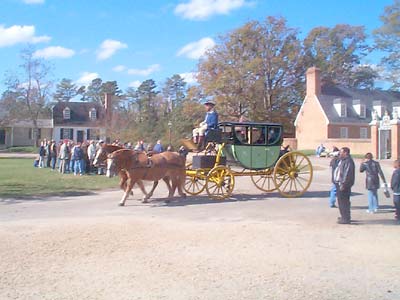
(374, 138)
(395, 138)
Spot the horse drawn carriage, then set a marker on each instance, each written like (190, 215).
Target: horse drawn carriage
(247, 149)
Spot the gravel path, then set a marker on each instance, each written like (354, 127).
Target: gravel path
(254, 246)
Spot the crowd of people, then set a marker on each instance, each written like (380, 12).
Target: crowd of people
(69, 157)
(343, 177)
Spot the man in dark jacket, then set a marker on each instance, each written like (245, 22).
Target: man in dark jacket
(374, 171)
(344, 180)
(395, 185)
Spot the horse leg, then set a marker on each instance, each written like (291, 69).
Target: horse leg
(180, 179)
(126, 193)
(146, 196)
(170, 189)
(155, 183)
(123, 181)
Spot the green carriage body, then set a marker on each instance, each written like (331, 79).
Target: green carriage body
(253, 145)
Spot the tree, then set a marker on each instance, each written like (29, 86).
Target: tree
(65, 90)
(146, 97)
(337, 52)
(97, 88)
(94, 91)
(174, 90)
(387, 39)
(256, 68)
(31, 91)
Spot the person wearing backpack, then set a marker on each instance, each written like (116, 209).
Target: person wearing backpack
(77, 156)
(373, 172)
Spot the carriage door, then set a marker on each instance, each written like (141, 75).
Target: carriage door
(257, 140)
(79, 136)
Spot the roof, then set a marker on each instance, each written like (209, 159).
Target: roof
(79, 114)
(347, 95)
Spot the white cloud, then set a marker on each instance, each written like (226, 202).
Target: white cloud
(86, 78)
(54, 52)
(135, 84)
(19, 34)
(196, 49)
(119, 68)
(108, 49)
(202, 9)
(33, 1)
(145, 72)
(190, 78)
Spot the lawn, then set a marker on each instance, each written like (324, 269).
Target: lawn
(18, 178)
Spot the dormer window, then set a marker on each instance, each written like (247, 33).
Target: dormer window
(379, 108)
(67, 113)
(93, 114)
(340, 107)
(359, 108)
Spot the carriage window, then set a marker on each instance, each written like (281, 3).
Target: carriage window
(241, 134)
(257, 135)
(226, 132)
(274, 134)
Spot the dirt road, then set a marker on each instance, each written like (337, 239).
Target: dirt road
(253, 246)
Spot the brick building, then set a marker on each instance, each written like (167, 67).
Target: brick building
(364, 120)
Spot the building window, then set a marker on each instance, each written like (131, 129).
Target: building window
(93, 114)
(343, 110)
(2, 136)
(363, 133)
(67, 113)
(344, 132)
(34, 133)
(67, 133)
(363, 111)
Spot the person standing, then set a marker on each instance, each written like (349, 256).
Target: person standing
(63, 155)
(344, 176)
(91, 153)
(48, 154)
(53, 154)
(77, 157)
(395, 186)
(42, 154)
(158, 147)
(373, 172)
(332, 193)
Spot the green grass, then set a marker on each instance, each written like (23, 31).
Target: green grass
(18, 178)
(26, 149)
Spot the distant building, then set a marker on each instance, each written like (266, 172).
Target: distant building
(77, 121)
(364, 120)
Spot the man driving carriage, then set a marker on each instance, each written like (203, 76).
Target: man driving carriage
(210, 122)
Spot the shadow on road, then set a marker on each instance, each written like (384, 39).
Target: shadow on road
(45, 197)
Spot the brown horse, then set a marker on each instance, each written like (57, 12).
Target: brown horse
(101, 157)
(139, 166)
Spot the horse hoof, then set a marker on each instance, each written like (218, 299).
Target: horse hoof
(121, 204)
(183, 195)
(145, 201)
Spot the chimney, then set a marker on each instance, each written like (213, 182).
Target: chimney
(108, 108)
(313, 81)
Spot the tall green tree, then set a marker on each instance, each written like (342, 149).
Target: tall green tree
(65, 90)
(338, 52)
(256, 68)
(174, 91)
(29, 91)
(97, 88)
(147, 100)
(387, 39)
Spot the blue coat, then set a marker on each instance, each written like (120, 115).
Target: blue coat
(211, 119)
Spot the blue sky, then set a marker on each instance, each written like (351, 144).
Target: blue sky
(131, 41)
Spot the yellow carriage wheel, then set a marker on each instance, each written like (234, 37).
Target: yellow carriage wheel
(195, 181)
(264, 181)
(293, 174)
(220, 183)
